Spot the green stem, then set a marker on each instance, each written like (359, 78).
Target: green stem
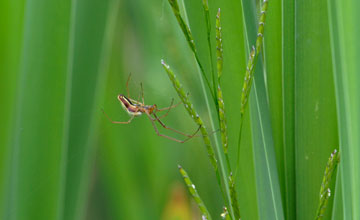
(239, 144)
(218, 150)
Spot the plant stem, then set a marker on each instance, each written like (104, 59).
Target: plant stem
(218, 150)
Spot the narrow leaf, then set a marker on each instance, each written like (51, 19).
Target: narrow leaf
(344, 32)
(41, 128)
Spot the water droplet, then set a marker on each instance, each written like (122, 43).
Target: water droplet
(193, 186)
(203, 217)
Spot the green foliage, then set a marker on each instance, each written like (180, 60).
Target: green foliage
(61, 62)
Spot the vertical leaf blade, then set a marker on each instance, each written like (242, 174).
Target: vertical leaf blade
(288, 96)
(11, 33)
(39, 152)
(315, 110)
(345, 54)
(92, 25)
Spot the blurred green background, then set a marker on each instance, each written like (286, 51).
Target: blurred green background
(62, 62)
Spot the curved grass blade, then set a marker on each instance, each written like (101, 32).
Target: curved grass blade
(325, 191)
(191, 187)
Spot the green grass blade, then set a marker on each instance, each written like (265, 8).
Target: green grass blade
(11, 32)
(273, 69)
(268, 186)
(40, 134)
(288, 95)
(195, 194)
(315, 110)
(337, 212)
(90, 41)
(345, 54)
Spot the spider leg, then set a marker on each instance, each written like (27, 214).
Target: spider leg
(174, 130)
(168, 109)
(118, 122)
(127, 85)
(142, 93)
(168, 137)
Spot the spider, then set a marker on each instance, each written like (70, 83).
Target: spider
(135, 108)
